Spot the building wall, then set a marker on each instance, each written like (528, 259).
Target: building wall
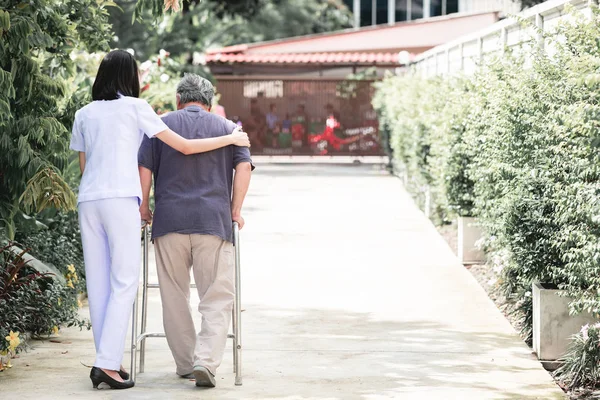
(374, 12)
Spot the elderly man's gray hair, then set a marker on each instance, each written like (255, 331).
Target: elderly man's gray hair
(195, 89)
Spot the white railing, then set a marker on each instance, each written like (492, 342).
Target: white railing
(475, 6)
(466, 53)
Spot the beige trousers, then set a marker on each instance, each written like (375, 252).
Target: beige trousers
(212, 260)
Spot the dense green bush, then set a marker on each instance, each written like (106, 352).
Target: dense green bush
(31, 302)
(57, 244)
(581, 365)
(405, 109)
(515, 145)
(427, 119)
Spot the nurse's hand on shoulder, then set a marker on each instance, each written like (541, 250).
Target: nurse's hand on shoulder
(146, 214)
(240, 138)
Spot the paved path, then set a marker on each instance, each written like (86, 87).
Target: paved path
(349, 293)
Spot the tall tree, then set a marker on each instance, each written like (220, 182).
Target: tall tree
(190, 30)
(157, 8)
(287, 18)
(37, 39)
(201, 25)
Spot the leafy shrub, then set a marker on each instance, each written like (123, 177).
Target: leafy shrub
(450, 155)
(398, 103)
(57, 244)
(32, 302)
(581, 364)
(427, 119)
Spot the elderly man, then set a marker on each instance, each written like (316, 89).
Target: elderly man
(192, 228)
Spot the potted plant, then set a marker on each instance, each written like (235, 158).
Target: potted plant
(469, 236)
(553, 326)
(581, 364)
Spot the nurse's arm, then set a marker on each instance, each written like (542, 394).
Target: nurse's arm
(82, 161)
(194, 146)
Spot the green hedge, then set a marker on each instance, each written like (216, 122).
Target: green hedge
(57, 244)
(427, 119)
(515, 145)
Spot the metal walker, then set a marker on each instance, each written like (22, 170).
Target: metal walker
(138, 340)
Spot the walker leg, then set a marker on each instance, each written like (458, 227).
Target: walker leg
(133, 365)
(233, 325)
(237, 309)
(144, 299)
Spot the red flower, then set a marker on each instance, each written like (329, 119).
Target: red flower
(146, 87)
(158, 62)
(172, 4)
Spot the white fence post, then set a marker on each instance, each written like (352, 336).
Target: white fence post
(539, 23)
(391, 12)
(427, 207)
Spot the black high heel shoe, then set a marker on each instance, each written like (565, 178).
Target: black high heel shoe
(98, 376)
(124, 375)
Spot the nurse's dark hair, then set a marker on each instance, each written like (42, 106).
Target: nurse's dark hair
(118, 73)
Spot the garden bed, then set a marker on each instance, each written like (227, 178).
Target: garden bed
(34, 304)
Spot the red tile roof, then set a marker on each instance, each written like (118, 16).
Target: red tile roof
(413, 36)
(229, 49)
(375, 45)
(305, 58)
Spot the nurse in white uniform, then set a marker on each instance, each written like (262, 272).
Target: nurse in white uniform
(107, 133)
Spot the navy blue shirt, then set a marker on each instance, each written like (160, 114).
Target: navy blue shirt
(193, 193)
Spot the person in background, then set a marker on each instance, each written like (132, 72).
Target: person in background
(272, 117)
(300, 127)
(285, 136)
(197, 198)
(272, 125)
(258, 123)
(107, 134)
(333, 119)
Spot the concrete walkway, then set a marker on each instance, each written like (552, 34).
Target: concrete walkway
(349, 293)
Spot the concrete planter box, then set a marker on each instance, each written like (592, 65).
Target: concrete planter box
(469, 233)
(552, 324)
(40, 266)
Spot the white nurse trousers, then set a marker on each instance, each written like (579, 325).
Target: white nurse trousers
(110, 233)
